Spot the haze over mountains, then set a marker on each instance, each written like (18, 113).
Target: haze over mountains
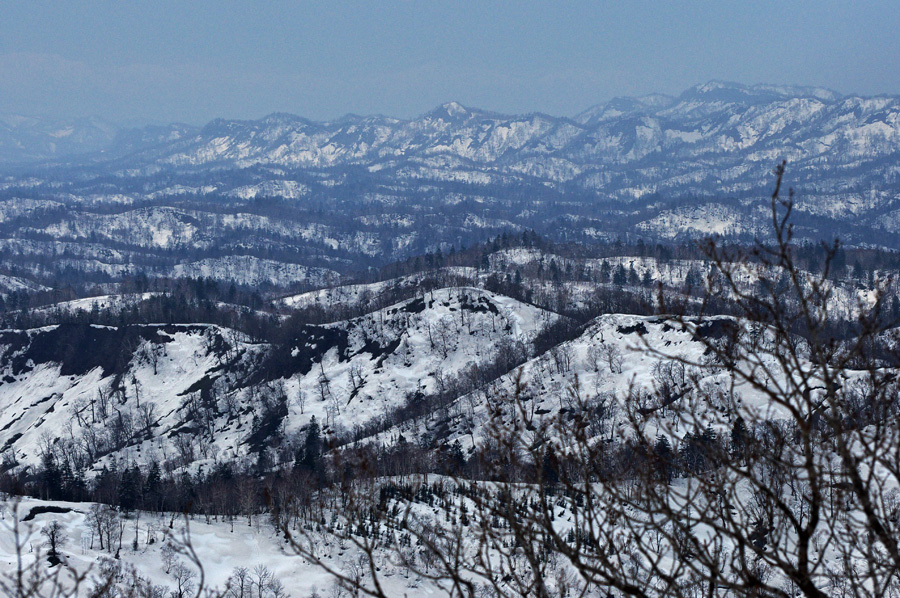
(624, 134)
(366, 190)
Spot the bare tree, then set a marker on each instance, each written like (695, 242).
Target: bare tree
(147, 418)
(239, 584)
(54, 540)
(613, 356)
(183, 576)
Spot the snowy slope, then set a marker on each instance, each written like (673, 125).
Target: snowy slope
(369, 294)
(115, 303)
(618, 362)
(14, 283)
(198, 394)
(254, 272)
(97, 390)
(220, 546)
(386, 357)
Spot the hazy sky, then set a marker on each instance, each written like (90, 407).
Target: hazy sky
(192, 61)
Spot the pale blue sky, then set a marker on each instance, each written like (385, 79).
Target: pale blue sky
(193, 61)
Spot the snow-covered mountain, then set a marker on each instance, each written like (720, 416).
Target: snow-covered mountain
(182, 394)
(249, 408)
(285, 200)
(716, 136)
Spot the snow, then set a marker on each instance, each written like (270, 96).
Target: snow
(181, 362)
(10, 284)
(114, 303)
(285, 189)
(390, 354)
(696, 221)
(581, 368)
(367, 294)
(219, 548)
(252, 271)
(442, 340)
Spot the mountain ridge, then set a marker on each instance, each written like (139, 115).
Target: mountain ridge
(362, 191)
(649, 103)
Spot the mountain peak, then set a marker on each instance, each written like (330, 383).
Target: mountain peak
(455, 108)
(450, 111)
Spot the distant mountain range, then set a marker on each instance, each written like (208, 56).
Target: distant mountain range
(718, 137)
(363, 190)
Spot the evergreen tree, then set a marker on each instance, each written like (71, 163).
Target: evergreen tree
(130, 488)
(633, 278)
(50, 477)
(663, 454)
(739, 439)
(605, 271)
(311, 459)
(153, 487)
